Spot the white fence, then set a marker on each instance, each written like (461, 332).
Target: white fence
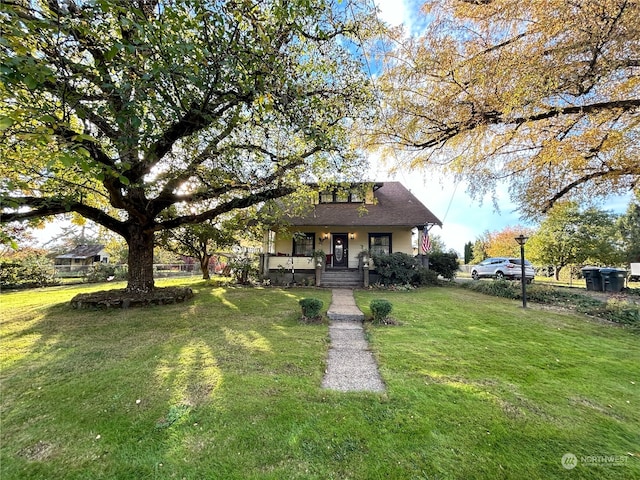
(160, 270)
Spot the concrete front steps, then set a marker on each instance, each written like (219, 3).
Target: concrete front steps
(337, 278)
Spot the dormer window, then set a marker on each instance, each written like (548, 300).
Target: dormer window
(340, 196)
(326, 197)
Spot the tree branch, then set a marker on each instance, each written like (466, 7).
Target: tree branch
(43, 207)
(92, 147)
(166, 197)
(194, 120)
(584, 179)
(236, 203)
(497, 118)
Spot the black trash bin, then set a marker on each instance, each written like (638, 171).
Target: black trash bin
(613, 279)
(592, 278)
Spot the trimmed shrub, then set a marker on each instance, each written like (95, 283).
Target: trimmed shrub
(445, 264)
(402, 269)
(311, 307)
(395, 269)
(380, 308)
(499, 288)
(422, 276)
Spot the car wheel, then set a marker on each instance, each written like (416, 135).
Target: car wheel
(499, 276)
(474, 275)
(529, 280)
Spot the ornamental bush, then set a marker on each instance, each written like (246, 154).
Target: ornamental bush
(380, 308)
(395, 269)
(445, 264)
(619, 311)
(423, 276)
(311, 307)
(498, 288)
(244, 268)
(402, 269)
(33, 271)
(101, 272)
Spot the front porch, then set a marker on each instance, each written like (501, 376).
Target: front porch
(308, 270)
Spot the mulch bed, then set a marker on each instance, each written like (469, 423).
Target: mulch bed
(124, 299)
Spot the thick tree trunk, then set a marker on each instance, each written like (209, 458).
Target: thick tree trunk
(140, 260)
(557, 273)
(204, 266)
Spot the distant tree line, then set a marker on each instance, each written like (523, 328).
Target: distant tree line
(568, 235)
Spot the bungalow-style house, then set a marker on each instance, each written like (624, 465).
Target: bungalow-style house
(81, 257)
(343, 226)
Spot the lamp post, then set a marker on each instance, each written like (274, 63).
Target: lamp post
(521, 239)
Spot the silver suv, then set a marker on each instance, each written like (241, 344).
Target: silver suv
(503, 267)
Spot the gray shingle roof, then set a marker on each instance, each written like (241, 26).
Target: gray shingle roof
(82, 251)
(396, 206)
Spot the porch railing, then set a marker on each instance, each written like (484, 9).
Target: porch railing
(289, 263)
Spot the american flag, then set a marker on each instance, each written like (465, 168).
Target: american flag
(426, 241)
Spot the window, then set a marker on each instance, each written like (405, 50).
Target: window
(303, 244)
(341, 196)
(271, 242)
(380, 243)
(326, 197)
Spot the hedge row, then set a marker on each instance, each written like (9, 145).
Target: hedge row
(613, 310)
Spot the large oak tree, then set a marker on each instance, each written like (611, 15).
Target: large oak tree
(119, 110)
(541, 94)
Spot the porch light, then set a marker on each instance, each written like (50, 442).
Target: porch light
(352, 236)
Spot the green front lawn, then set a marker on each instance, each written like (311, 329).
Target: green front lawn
(228, 386)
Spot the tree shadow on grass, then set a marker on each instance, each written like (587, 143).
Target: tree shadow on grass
(94, 386)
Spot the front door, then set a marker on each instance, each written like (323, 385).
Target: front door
(340, 250)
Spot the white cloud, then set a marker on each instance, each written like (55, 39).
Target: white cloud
(403, 12)
(393, 12)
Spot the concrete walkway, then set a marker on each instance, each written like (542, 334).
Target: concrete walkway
(350, 366)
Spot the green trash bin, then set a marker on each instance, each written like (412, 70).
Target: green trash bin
(613, 279)
(592, 278)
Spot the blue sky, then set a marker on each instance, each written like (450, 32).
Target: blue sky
(402, 12)
(463, 219)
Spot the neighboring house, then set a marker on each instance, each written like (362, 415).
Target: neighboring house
(81, 257)
(345, 225)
